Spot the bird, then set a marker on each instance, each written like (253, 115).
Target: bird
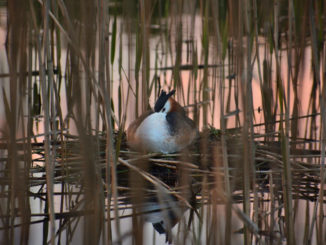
(167, 129)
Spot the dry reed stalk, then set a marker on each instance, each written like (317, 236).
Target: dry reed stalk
(316, 54)
(12, 99)
(49, 158)
(47, 88)
(234, 25)
(104, 82)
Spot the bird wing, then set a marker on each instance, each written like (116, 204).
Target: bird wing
(172, 119)
(179, 121)
(182, 126)
(135, 124)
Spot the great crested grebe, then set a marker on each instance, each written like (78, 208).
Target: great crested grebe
(167, 129)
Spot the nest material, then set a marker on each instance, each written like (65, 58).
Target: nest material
(201, 161)
(173, 183)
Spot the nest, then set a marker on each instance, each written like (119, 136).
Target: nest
(202, 166)
(217, 169)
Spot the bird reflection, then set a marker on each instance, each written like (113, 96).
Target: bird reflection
(166, 129)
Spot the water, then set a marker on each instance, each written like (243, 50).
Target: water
(163, 53)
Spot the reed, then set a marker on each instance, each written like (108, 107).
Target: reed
(250, 74)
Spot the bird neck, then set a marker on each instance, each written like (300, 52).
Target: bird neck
(175, 106)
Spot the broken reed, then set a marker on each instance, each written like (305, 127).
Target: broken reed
(103, 83)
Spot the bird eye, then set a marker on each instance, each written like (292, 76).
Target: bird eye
(163, 110)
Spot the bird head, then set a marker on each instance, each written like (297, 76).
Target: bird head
(164, 102)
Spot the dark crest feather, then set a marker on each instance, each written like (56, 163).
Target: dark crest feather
(162, 100)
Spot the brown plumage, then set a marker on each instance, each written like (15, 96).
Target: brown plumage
(167, 129)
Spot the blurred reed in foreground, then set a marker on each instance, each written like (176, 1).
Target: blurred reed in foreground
(80, 71)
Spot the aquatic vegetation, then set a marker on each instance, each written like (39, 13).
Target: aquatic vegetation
(250, 74)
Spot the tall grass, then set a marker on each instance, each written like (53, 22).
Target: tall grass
(81, 71)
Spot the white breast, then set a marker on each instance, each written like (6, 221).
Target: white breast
(154, 135)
